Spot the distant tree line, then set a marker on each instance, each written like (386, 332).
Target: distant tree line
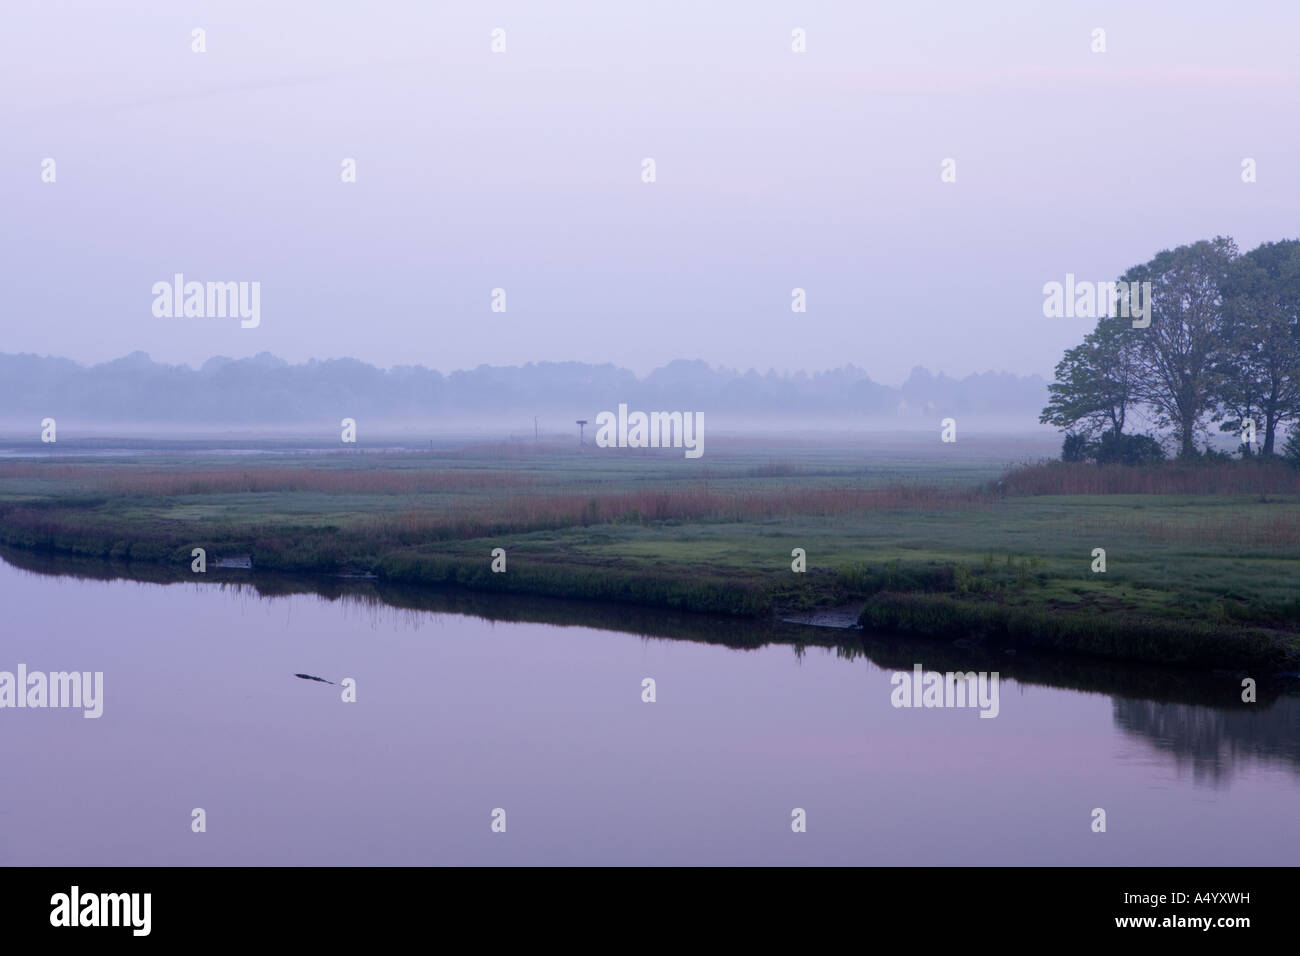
(1222, 348)
(263, 390)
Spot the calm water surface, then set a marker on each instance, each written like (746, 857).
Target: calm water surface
(457, 715)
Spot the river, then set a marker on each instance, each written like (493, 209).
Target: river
(542, 716)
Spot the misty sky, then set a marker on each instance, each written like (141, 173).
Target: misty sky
(522, 170)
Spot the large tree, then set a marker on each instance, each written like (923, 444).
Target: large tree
(1179, 355)
(1095, 385)
(1259, 374)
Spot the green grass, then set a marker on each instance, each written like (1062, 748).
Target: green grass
(1197, 579)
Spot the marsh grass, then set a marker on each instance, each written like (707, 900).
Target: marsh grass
(949, 557)
(1259, 477)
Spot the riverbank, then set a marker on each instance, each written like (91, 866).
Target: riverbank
(1197, 580)
(891, 651)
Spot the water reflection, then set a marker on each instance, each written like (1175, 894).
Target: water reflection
(1195, 720)
(1216, 743)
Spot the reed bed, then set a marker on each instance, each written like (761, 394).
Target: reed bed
(696, 503)
(1169, 478)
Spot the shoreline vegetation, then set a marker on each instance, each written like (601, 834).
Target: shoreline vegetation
(890, 651)
(1203, 557)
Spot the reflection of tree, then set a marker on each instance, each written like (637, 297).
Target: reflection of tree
(1198, 718)
(1215, 742)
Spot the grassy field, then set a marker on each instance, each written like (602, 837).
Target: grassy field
(1202, 563)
